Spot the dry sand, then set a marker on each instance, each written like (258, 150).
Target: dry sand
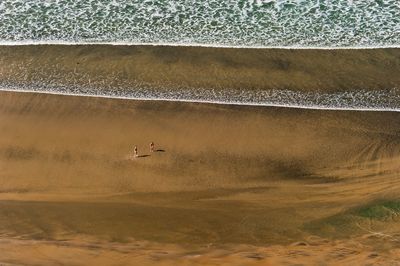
(230, 184)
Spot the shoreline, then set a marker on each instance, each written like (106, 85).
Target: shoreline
(205, 45)
(205, 101)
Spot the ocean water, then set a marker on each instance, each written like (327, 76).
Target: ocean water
(250, 23)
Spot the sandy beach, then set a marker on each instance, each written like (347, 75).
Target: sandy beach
(228, 185)
(199, 133)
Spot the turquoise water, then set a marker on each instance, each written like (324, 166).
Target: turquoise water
(305, 23)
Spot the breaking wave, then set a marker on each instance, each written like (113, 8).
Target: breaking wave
(379, 100)
(250, 23)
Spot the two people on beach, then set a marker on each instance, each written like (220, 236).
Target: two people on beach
(135, 149)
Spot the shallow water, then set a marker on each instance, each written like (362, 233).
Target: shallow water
(321, 79)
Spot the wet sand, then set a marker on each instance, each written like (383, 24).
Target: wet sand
(105, 66)
(229, 184)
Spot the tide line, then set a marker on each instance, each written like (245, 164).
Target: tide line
(266, 104)
(206, 45)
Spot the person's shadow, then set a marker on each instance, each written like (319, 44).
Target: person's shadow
(142, 156)
(159, 150)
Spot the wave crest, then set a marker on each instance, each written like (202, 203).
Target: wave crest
(360, 100)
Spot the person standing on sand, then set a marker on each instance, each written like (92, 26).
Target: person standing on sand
(135, 152)
(151, 146)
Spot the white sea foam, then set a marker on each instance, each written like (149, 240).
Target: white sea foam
(244, 23)
(210, 45)
(387, 100)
